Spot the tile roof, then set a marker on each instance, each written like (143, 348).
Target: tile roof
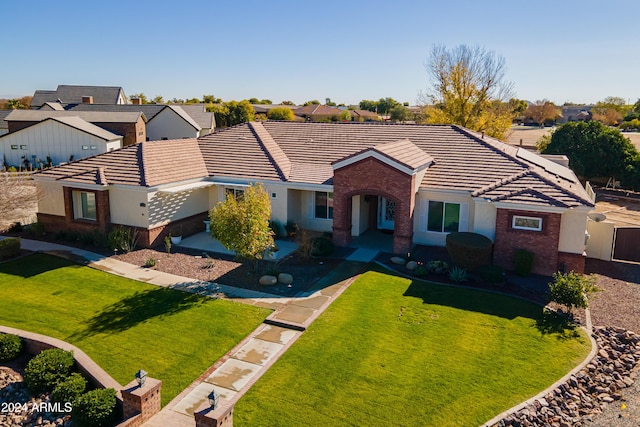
(462, 160)
(145, 164)
(316, 110)
(83, 125)
(73, 94)
(149, 110)
(89, 116)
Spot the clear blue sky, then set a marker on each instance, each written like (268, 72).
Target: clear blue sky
(348, 50)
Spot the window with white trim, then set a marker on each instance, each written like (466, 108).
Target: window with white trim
(84, 205)
(443, 217)
(530, 223)
(236, 193)
(323, 205)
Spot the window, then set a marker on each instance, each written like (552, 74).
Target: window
(85, 147)
(443, 217)
(527, 223)
(94, 147)
(84, 205)
(23, 147)
(324, 205)
(14, 147)
(237, 193)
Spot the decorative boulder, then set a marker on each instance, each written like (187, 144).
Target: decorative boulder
(398, 260)
(411, 265)
(268, 280)
(285, 278)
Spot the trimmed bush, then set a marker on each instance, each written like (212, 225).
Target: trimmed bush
(491, 273)
(95, 408)
(70, 389)
(469, 250)
(322, 247)
(10, 347)
(523, 262)
(572, 289)
(47, 369)
(9, 248)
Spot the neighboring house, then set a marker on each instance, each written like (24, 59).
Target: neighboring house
(579, 113)
(317, 112)
(71, 94)
(420, 182)
(67, 138)
(363, 116)
(4, 125)
(131, 125)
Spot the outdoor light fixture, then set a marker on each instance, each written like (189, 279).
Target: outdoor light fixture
(141, 377)
(213, 399)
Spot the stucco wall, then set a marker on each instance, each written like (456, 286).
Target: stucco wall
(164, 208)
(572, 231)
(484, 219)
(167, 124)
(50, 138)
(126, 207)
(600, 243)
(278, 203)
(51, 200)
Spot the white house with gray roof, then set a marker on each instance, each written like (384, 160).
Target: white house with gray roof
(418, 182)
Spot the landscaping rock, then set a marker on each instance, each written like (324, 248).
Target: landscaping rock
(398, 260)
(587, 392)
(411, 265)
(268, 280)
(285, 278)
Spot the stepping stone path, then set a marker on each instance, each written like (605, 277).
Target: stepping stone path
(588, 392)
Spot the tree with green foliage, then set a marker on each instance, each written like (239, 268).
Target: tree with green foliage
(287, 103)
(368, 105)
(232, 113)
(193, 101)
(158, 99)
(242, 224)
(312, 102)
(465, 83)
(23, 103)
(345, 116)
(280, 113)
(399, 113)
(572, 289)
(210, 99)
(595, 150)
(611, 110)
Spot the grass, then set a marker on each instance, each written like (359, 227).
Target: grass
(390, 351)
(122, 324)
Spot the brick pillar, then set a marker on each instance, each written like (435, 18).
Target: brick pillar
(143, 400)
(341, 219)
(222, 416)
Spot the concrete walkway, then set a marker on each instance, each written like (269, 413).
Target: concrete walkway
(240, 368)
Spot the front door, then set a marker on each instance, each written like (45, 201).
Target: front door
(386, 212)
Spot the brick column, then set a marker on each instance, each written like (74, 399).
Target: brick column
(143, 400)
(222, 416)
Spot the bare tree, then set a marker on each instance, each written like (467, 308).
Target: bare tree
(18, 198)
(540, 111)
(466, 81)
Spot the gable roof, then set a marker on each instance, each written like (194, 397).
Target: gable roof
(200, 115)
(146, 164)
(75, 123)
(458, 159)
(186, 117)
(402, 154)
(73, 94)
(89, 116)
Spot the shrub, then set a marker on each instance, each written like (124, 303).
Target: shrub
(572, 289)
(458, 274)
(95, 408)
(94, 238)
(491, 273)
(47, 369)
(469, 250)
(523, 262)
(37, 228)
(292, 228)
(322, 247)
(167, 243)
(16, 227)
(69, 389)
(421, 270)
(10, 347)
(437, 266)
(10, 247)
(123, 239)
(150, 262)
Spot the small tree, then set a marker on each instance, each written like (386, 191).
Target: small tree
(280, 113)
(242, 224)
(572, 289)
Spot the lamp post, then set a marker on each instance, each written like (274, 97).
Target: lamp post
(213, 399)
(141, 377)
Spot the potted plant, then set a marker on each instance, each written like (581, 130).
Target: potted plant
(175, 239)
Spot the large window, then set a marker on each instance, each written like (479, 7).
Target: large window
(527, 223)
(236, 193)
(84, 205)
(324, 205)
(444, 217)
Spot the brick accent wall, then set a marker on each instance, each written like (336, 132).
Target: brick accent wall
(102, 223)
(185, 227)
(373, 177)
(543, 244)
(132, 132)
(571, 262)
(222, 416)
(140, 403)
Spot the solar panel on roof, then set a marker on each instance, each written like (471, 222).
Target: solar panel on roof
(547, 165)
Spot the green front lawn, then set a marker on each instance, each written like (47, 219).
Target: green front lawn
(122, 324)
(394, 352)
